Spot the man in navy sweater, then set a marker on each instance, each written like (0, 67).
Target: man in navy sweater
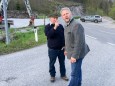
(55, 41)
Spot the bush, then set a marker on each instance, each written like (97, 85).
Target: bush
(100, 12)
(23, 41)
(18, 6)
(90, 11)
(112, 13)
(77, 17)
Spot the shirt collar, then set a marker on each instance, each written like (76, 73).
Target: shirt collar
(67, 24)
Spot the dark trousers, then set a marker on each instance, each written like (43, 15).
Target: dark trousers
(76, 74)
(53, 55)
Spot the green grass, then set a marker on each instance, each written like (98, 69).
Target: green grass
(77, 17)
(23, 41)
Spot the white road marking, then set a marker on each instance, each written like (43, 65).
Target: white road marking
(101, 31)
(110, 43)
(91, 37)
(107, 32)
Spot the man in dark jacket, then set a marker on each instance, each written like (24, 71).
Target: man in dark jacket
(55, 41)
(75, 45)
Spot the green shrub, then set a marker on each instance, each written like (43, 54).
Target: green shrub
(112, 13)
(18, 6)
(93, 11)
(90, 11)
(99, 12)
(77, 17)
(23, 41)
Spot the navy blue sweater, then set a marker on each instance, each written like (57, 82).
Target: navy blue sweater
(55, 38)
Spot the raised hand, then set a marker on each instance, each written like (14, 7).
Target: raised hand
(56, 25)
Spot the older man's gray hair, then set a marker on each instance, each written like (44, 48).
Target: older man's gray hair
(65, 8)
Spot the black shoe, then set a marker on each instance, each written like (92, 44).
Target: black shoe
(52, 79)
(65, 78)
(79, 84)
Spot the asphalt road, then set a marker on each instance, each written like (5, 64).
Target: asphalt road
(100, 32)
(30, 67)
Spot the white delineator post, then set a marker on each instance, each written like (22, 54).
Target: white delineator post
(5, 21)
(36, 34)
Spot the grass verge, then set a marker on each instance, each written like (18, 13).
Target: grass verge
(23, 41)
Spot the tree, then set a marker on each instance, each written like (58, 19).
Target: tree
(17, 5)
(105, 6)
(112, 12)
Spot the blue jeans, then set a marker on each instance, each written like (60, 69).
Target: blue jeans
(53, 55)
(76, 74)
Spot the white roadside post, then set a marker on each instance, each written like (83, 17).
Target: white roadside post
(5, 21)
(36, 34)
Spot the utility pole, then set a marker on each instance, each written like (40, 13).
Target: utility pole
(5, 21)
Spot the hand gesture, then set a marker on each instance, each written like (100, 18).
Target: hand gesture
(65, 53)
(72, 60)
(56, 25)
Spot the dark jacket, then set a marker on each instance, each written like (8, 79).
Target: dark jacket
(55, 38)
(75, 44)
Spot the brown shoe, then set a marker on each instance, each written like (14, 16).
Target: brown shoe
(52, 79)
(65, 78)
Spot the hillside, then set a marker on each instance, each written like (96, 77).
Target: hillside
(78, 7)
(41, 6)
